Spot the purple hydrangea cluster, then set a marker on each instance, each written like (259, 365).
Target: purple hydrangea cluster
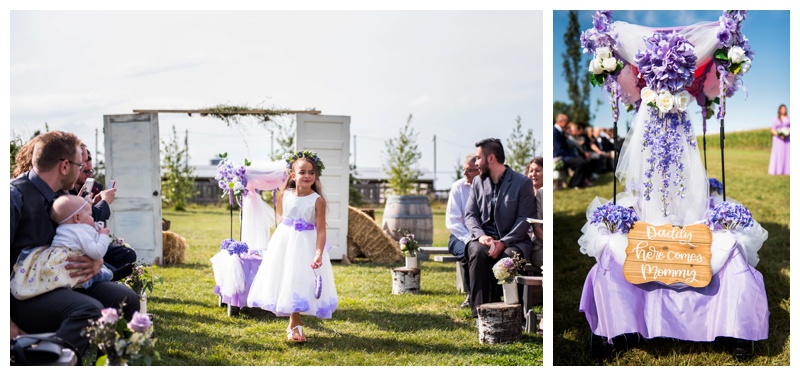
(232, 179)
(233, 247)
(727, 215)
(667, 63)
(601, 34)
(714, 186)
(666, 137)
(615, 217)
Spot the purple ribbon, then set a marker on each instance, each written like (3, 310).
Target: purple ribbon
(298, 224)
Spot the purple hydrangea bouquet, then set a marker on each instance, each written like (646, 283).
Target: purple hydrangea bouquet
(616, 218)
(122, 342)
(233, 247)
(507, 268)
(729, 216)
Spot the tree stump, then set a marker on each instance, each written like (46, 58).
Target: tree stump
(499, 323)
(405, 281)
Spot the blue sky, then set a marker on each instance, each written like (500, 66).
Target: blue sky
(767, 82)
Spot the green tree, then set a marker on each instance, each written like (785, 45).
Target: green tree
(458, 169)
(401, 164)
(576, 72)
(177, 179)
(521, 147)
(17, 143)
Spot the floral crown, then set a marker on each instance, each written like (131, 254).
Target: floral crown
(290, 158)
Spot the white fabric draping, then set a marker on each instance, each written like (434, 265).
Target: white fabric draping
(257, 216)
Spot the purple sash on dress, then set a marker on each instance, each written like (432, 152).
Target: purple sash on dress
(298, 224)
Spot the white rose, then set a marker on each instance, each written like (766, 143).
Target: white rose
(665, 101)
(736, 54)
(745, 66)
(682, 100)
(602, 53)
(648, 95)
(595, 66)
(610, 64)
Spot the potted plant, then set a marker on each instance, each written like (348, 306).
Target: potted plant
(402, 209)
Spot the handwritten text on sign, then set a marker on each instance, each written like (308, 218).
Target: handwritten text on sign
(668, 254)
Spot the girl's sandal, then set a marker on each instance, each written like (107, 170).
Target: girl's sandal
(295, 334)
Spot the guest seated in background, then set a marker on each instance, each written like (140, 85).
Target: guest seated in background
(500, 203)
(56, 161)
(454, 219)
(562, 149)
(534, 171)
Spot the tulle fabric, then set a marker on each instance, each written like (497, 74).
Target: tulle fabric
(257, 216)
(285, 281)
(631, 173)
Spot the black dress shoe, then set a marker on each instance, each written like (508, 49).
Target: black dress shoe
(466, 303)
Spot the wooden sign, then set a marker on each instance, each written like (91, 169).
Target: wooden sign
(668, 254)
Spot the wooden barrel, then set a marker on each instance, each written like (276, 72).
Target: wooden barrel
(412, 213)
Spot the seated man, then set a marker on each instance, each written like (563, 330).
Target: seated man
(562, 149)
(454, 219)
(499, 205)
(63, 311)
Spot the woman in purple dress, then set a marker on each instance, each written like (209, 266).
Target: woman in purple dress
(779, 159)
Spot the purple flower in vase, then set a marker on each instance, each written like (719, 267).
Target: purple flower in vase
(108, 316)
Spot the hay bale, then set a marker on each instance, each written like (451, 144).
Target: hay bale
(174, 247)
(368, 238)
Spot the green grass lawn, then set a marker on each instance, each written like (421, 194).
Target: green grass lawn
(371, 326)
(766, 196)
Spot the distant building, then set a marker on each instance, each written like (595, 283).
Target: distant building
(371, 181)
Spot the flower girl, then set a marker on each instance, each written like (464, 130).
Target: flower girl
(284, 283)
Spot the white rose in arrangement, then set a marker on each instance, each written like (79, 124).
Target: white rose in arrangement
(610, 64)
(602, 53)
(745, 66)
(736, 54)
(595, 66)
(665, 101)
(682, 100)
(648, 95)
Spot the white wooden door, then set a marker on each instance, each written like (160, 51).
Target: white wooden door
(329, 137)
(133, 159)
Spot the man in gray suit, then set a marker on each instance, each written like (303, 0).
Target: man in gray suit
(500, 202)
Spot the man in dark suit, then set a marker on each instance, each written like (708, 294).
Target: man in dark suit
(500, 202)
(561, 149)
(65, 311)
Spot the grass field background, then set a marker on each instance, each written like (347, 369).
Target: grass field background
(371, 327)
(747, 180)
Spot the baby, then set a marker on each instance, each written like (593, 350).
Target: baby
(41, 269)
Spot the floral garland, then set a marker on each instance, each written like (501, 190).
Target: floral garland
(232, 179)
(122, 341)
(667, 66)
(600, 40)
(734, 57)
(615, 217)
(290, 158)
(727, 215)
